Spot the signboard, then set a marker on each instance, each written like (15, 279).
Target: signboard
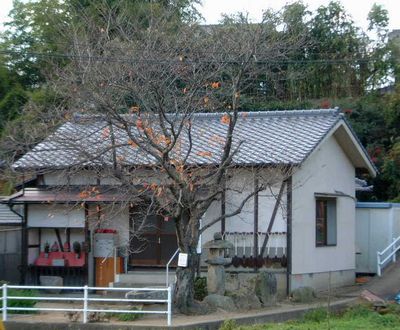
(182, 259)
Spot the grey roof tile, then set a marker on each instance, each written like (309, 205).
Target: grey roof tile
(268, 137)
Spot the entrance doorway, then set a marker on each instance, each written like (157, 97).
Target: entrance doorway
(156, 244)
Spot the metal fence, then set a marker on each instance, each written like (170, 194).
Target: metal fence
(85, 299)
(10, 254)
(390, 253)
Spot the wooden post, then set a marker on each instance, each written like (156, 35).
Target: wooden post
(289, 234)
(273, 216)
(223, 206)
(24, 246)
(255, 230)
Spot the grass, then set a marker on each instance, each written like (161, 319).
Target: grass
(361, 317)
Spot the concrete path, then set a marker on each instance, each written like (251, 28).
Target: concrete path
(283, 312)
(388, 285)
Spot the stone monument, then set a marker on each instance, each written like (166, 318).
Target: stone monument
(216, 264)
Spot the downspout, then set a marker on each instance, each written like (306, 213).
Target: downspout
(289, 235)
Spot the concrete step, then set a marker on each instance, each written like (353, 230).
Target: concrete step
(131, 294)
(144, 278)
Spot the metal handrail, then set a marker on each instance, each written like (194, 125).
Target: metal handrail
(85, 310)
(392, 255)
(167, 267)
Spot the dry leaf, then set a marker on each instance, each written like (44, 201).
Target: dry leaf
(225, 119)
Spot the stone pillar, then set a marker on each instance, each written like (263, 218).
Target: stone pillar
(216, 264)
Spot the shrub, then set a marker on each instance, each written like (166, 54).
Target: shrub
(20, 302)
(200, 288)
(228, 325)
(127, 317)
(316, 315)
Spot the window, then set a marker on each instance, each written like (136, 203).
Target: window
(325, 221)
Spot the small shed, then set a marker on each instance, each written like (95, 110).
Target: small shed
(377, 224)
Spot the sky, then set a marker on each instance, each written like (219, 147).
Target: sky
(212, 9)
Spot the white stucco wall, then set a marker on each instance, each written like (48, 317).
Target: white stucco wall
(327, 170)
(240, 186)
(111, 217)
(53, 216)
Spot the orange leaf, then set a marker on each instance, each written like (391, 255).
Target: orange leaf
(149, 131)
(105, 133)
(132, 144)
(134, 109)
(225, 119)
(216, 85)
(204, 153)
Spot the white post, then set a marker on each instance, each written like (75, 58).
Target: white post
(85, 303)
(4, 308)
(394, 250)
(378, 263)
(169, 322)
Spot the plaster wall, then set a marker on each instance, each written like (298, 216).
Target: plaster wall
(241, 185)
(327, 171)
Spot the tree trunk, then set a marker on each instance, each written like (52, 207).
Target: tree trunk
(184, 289)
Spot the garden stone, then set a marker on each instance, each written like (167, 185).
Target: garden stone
(245, 301)
(51, 281)
(216, 301)
(303, 295)
(266, 288)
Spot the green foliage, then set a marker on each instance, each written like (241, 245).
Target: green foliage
(200, 288)
(20, 303)
(316, 315)
(228, 325)
(361, 317)
(127, 317)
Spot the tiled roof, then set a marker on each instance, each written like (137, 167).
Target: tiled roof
(269, 137)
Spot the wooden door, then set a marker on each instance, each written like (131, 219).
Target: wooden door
(155, 246)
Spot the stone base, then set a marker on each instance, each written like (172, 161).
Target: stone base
(216, 301)
(51, 281)
(320, 281)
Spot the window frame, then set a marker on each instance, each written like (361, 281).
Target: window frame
(329, 215)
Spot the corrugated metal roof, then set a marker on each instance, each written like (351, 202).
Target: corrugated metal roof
(7, 216)
(268, 137)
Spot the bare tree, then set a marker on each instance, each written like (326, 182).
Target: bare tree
(139, 91)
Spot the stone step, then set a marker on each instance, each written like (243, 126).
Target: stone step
(131, 294)
(144, 278)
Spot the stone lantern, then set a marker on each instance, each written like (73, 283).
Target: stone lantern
(216, 264)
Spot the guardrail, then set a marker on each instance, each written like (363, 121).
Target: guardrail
(167, 268)
(85, 310)
(390, 250)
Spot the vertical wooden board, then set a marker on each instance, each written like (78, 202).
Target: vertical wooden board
(105, 270)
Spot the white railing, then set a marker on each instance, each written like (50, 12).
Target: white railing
(85, 299)
(167, 268)
(390, 253)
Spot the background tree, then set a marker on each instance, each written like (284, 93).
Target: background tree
(145, 86)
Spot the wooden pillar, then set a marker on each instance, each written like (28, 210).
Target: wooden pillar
(87, 243)
(223, 206)
(24, 246)
(255, 229)
(289, 234)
